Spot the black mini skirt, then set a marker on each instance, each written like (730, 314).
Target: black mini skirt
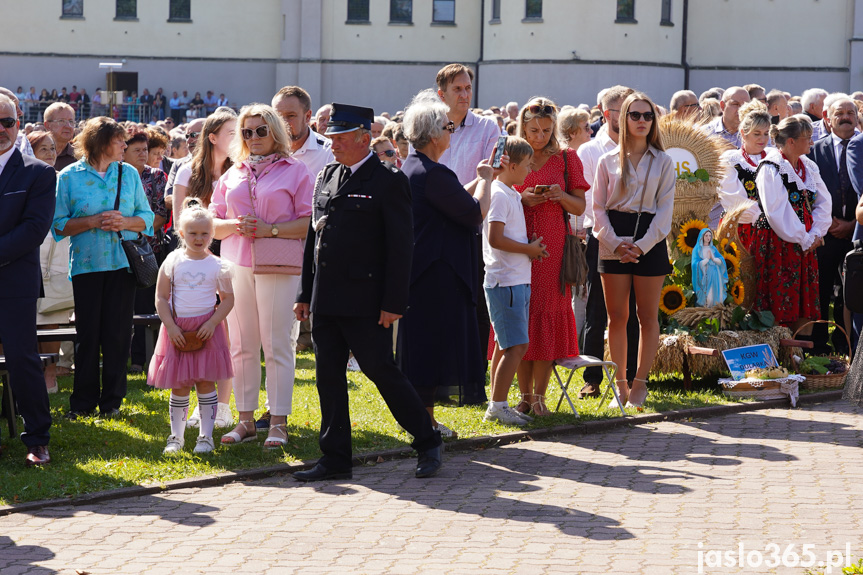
(653, 263)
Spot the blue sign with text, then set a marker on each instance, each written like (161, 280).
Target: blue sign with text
(741, 359)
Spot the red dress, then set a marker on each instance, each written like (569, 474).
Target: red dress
(551, 327)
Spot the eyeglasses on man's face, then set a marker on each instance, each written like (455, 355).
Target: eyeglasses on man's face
(70, 123)
(8, 123)
(388, 153)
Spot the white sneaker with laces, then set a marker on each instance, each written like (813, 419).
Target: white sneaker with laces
(194, 419)
(505, 415)
(445, 431)
(204, 444)
(353, 365)
(224, 417)
(175, 445)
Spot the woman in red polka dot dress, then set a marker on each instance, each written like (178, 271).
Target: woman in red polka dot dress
(551, 326)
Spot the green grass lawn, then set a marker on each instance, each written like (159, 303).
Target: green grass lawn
(92, 454)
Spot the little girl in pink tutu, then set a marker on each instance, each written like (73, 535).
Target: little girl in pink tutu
(186, 292)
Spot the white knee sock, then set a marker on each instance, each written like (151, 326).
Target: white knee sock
(207, 405)
(179, 410)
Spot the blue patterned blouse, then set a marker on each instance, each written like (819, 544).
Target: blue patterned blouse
(82, 192)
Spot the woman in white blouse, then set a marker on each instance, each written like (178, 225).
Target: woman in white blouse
(633, 200)
(738, 183)
(796, 214)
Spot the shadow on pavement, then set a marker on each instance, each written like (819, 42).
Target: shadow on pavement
(23, 557)
(181, 513)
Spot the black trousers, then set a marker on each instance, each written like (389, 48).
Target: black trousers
(596, 319)
(372, 346)
(145, 303)
(18, 332)
(831, 256)
(104, 304)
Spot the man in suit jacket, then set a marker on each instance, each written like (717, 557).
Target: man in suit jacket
(355, 279)
(831, 154)
(27, 188)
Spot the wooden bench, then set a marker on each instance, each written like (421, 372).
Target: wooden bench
(9, 411)
(710, 352)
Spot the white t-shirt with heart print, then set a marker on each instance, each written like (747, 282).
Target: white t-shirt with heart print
(195, 283)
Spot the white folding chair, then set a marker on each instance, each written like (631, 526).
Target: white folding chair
(580, 362)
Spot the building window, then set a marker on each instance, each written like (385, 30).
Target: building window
(626, 11)
(180, 10)
(666, 14)
(358, 10)
(73, 9)
(401, 11)
(495, 10)
(443, 11)
(533, 10)
(127, 9)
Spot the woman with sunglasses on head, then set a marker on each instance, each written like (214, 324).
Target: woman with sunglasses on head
(551, 326)
(633, 200)
(277, 191)
(438, 337)
(796, 214)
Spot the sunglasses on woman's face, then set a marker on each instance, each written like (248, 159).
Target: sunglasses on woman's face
(636, 116)
(537, 109)
(8, 122)
(388, 153)
(261, 131)
(450, 126)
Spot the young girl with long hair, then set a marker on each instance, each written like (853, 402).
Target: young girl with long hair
(633, 202)
(186, 290)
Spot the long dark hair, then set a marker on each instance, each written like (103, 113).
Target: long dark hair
(201, 182)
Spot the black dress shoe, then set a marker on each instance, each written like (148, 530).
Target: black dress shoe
(73, 415)
(320, 473)
(429, 461)
(37, 455)
(110, 413)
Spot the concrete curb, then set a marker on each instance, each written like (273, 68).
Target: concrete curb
(462, 445)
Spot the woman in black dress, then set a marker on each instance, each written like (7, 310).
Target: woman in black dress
(438, 341)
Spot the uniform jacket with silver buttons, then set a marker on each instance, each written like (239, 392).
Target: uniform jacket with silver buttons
(358, 251)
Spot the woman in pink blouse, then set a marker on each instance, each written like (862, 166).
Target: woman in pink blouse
(265, 194)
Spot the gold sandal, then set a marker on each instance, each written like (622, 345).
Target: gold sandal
(538, 407)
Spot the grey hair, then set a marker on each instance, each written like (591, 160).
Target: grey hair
(424, 119)
(836, 98)
(808, 97)
(679, 97)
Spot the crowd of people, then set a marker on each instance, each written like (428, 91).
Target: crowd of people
(427, 247)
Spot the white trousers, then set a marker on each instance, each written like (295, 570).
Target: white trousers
(263, 316)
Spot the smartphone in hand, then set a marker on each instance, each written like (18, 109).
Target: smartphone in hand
(498, 151)
(541, 189)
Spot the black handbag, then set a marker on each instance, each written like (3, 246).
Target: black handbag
(573, 268)
(852, 278)
(139, 252)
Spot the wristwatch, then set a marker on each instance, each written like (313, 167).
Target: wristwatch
(275, 230)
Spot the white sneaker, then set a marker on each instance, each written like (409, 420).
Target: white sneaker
(353, 365)
(527, 418)
(224, 417)
(445, 431)
(175, 445)
(204, 444)
(194, 419)
(505, 415)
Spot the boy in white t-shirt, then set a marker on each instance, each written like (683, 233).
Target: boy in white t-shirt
(507, 253)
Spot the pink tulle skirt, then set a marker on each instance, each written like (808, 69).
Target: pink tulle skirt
(171, 368)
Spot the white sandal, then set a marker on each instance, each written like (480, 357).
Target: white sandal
(233, 438)
(273, 441)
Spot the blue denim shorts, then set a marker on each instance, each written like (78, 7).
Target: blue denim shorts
(508, 308)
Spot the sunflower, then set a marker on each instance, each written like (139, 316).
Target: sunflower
(728, 247)
(672, 300)
(738, 292)
(688, 236)
(733, 264)
(749, 185)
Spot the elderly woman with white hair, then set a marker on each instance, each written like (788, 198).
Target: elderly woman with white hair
(265, 194)
(438, 341)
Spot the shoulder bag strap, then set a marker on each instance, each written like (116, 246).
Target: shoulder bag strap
(119, 187)
(566, 227)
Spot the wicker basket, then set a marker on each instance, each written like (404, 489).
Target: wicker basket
(769, 389)
(831, 381)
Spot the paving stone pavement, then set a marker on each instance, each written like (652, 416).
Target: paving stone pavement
(652, 499)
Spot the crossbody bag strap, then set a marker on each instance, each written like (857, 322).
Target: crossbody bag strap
(643, 189)
(119, 187)
(566, 227)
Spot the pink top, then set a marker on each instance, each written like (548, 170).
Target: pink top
(283, 193)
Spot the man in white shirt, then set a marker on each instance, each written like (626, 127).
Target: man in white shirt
(294, 105)
(728, 123)
(21, 141)
(812, 101)
(473, 140)
(596, 317)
